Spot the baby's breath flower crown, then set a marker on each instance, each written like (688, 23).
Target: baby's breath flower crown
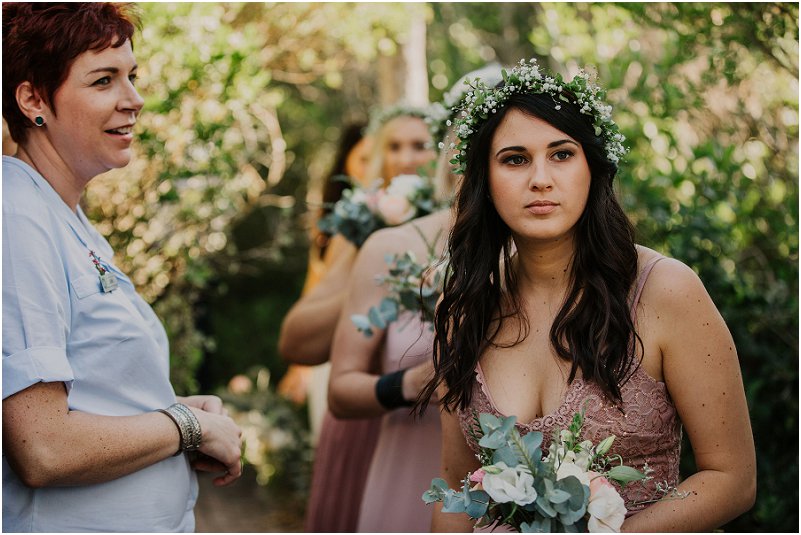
(527, 77)
(381, 116)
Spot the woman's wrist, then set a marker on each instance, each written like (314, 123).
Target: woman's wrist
(390, 392)
(187, 424)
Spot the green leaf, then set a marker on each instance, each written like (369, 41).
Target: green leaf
(388, 310)
(436, 492)
(539, 525)
(505, 454)
(544, 507)
(376, 319)
(558, 496)
(625, 474)
(605, 445)
(479, 503)
(362, 324)
(453, 502)
(532, 442)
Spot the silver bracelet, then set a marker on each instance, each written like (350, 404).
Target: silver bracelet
(188, 426)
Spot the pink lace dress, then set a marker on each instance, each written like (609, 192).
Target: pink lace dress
(646, 424)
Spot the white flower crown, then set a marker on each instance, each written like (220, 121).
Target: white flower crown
(381, 116)
(526, 77)
(442, 112)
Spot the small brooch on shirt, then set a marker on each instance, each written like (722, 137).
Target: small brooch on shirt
(107, 279)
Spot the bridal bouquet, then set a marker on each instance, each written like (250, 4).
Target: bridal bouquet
(362, 211)
(569, 490)
(413, 286)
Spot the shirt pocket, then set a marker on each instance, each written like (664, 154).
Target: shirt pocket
(86, 285)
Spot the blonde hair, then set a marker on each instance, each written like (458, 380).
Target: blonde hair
(375, 167)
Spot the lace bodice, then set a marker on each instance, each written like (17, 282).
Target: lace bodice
(646, 424)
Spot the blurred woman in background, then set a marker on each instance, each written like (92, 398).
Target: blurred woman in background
(407, 453)
(402, 145)
(303, 382)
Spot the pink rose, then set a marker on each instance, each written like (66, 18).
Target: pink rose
(372, 197)
(606, 508)
(395, 210)
(477, 476)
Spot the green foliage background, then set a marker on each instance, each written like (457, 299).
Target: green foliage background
(244, 103)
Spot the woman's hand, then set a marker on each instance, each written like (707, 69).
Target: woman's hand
(208, 403)
(220, 445)
(416, 378)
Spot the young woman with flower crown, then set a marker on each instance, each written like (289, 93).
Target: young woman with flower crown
(400, 146)
(579, 316)
(406, 453)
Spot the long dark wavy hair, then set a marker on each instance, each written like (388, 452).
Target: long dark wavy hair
(593, 330)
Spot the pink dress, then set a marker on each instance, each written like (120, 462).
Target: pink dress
(407, 456)
(646, 424)
(341, 462)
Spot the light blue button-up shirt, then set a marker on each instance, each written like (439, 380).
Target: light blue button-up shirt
(108, 348)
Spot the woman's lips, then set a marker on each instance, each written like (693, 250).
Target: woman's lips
(541, 207)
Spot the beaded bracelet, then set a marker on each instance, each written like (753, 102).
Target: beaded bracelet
(188, 426)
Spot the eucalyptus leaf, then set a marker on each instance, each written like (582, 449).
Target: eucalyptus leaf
(532, 442)
(492, 441)
(479, 503)
(571, 517)
(388, 309)
(362, 324)
(376, 319)
(544, 506)
(558, 496)
(453, 502)
(539, 525)
(488, 422)
(505, 454)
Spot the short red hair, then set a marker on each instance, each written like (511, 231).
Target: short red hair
(42, 40)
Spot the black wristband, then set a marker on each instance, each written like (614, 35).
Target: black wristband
(389, 391)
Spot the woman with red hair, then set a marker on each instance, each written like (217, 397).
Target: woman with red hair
(92, 429)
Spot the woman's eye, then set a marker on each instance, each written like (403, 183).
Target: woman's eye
(420, 146)
(562, 155)
(133, 78)
(515, 160)
(103, 81)
(394, 147)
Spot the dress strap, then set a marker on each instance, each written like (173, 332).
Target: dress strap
(641, 278)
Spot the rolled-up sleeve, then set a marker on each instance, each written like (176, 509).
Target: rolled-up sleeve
(36, 303)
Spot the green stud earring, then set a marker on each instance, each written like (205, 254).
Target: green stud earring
(39, 120)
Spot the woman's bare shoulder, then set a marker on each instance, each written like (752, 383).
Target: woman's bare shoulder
(414, 235)
(671, 281)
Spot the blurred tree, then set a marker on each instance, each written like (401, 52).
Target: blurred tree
(237, 97)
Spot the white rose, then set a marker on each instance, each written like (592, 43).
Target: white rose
(563, 456)
(505, 484)
(395, 210)
(358, 196)
(572, 469)
(606, 508)
(405, 186)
